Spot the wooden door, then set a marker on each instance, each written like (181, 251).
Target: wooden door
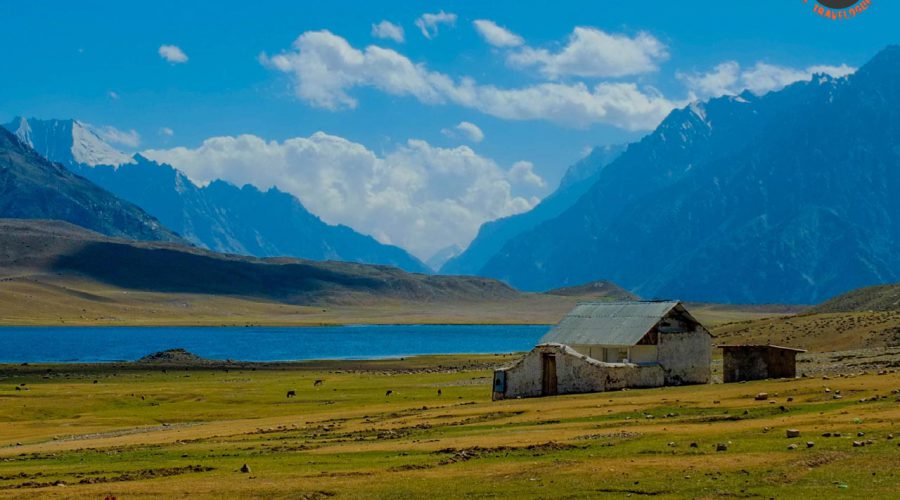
(548, 374)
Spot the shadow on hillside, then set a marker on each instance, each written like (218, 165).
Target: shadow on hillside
(171, 270)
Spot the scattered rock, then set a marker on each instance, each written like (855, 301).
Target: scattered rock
(245, 469)
(826, 435)
(694, 445)
(810, 444)
(721, 447)
(890, 436)
(792, 446)
(838, 396)
(171, 356)
(762, 396)
(790, 400)
(792, 433)
(858, 444)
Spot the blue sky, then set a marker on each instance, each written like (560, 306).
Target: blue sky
(100, 62)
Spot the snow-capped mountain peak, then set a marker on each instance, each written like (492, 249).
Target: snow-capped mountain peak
(69, 142)
(89, 149)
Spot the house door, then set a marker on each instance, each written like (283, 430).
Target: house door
(548, 374)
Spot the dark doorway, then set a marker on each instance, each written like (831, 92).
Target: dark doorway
(548, 374)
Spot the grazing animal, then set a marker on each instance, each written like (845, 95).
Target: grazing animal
(440, 392)
(292, 394)
(318, 382)
(388, 393)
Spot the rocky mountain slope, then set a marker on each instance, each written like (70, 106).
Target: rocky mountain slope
(788, 197)
(31, 187)
(494, 234)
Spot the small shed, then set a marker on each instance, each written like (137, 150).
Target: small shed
(602, 346)
(758, 362)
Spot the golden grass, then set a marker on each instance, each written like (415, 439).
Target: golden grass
(346, 438)
(818, 332)
(45, 300)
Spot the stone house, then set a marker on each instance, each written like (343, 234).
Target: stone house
(601, 346)
(758, 362)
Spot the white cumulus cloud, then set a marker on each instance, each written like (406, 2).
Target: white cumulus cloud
(418, 196)
(173, 54)
(428, 23)
(496, 35)
(594, 53)
(523, 172)
(166, 131)
(326, 68)
(388, 30)
(468, 130)
(729, 78)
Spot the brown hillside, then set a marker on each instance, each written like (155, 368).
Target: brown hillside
(873, 298)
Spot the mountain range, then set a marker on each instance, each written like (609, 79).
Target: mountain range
(493, 235)
(219, 216)
(32, 187)
(785, 197)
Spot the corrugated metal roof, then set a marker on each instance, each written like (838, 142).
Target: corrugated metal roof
(759, 346)
(608, 323)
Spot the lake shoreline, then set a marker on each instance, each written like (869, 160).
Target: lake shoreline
(112, 345)
(425, 363)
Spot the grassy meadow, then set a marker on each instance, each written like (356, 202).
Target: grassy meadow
(68, 301)
(132, 431)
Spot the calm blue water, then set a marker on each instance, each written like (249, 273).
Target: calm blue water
(97, 344)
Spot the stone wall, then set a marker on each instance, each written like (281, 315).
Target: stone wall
(575, 373)
(741, 363)
(685, 357)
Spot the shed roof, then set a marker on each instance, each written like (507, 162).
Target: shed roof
(608, 323)
(759, 346)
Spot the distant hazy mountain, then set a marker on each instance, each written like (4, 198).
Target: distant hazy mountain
(494, 234)
(787, 197)
(442, 256)
(31, 187)
(219, 216)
